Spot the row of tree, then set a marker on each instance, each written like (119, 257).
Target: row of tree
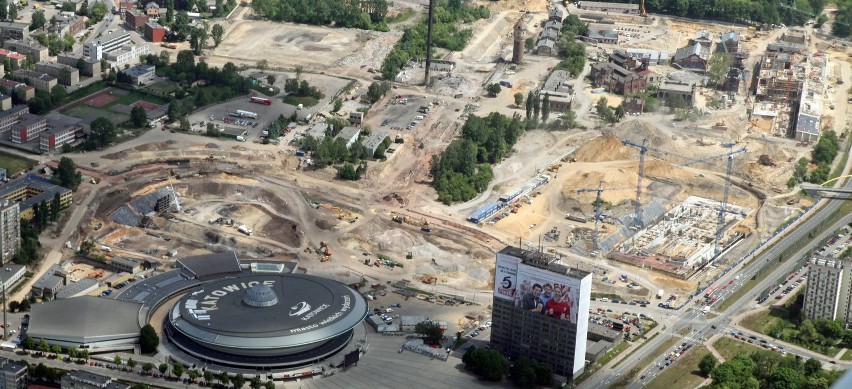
(572, 52)
(822, 156)
(463, 170)
(367, 14)
(767, 369)
(445, 34)
(794, 12)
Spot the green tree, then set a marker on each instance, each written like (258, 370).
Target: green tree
(98, 11)
(488, 363)
(545, 107)
(193, 375)
(55, 205)
(13, 12)
(255, 382)
(55, 349)
(269, 385)
(84, 354)
(147, 367)
(536, 105)
(177, 369)
(519, 99)
(170, 12)
(262, 65)
(707, 364)
(347, 172)
(4, 9)
(43, 346)
(238, 380)
(786, 378)
(717, 68)
(163, 368)
(148, 339)
(102, 134)
(493, 89)
(67, 174)
(38, 21)
(224, 378)
(174, 112)
(138, 116)
(28, 343)
(530, 100)
(131, 363)
(117, 360)
(218, 34)
(72, 353)
(338, 104)
(208, 378)
(430, 331)
(619, 112)
(523, 372)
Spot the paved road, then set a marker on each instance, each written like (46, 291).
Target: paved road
(703, 328)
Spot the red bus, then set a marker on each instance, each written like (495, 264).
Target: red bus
(710, 292)
(261, 100)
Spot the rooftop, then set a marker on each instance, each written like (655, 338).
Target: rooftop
(375, 139)
(544, 261)
(598, 4)
(201, 266)
(81, 319)
(75, 288)
(348, 133)
(46, 188)
(139, 69)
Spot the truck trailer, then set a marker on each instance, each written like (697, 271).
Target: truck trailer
(660, 294)
(244, 114)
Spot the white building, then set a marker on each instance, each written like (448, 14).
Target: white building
(10, 229)
(10, 274)
(116, 48)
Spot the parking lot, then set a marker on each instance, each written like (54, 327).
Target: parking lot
(400, 112)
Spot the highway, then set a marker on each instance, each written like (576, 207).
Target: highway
(703, 328)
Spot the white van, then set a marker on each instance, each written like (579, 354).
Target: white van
(604, 299)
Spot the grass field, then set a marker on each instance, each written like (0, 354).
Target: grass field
(729, 348)
(769, 322)
(847, 356)
(84, 111)
(133, 97)
(14, 164)
(305, 101)
(683, 373)
(162, 88)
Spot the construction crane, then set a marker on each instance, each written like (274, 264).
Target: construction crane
(643, 148)
(600, 189)
(723, 208)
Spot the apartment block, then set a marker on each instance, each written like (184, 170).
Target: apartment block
(829, 289)
(14, 375)
(28, 128)
(66, 75)
(16, 60)
(88, 67)
(61, 129)
(32, 189)
(12, 30)
(10, 231)
(30, 49)
(12, 116)
(40, 81)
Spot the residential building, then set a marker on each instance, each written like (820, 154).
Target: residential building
(121, 264)
(553, 25)
(5, 102)
(14, 375)
(552, 332)
(373, 141)
(134, 19)
(30, 49)
(676, 93)
(617, 79)
(545, 47)
(602, 33)
(11, 273)
(15, 59)
(68, 24)
(66, 75)
(40, 81)
(81, 379)
(88, 67)
(692, 57)
(619, 8)
(154, 32)
(141, 74)
(152, 10)
(32, 189)
(349, 134)
(12, 30)
(559, 91)
(10, 231)
(829, 290)
(28, 128)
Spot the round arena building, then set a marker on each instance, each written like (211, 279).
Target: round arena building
(256, 320)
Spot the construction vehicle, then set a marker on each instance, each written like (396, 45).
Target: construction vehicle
(244, 230)
(425, 227)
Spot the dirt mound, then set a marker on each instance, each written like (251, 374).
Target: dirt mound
(605, 148)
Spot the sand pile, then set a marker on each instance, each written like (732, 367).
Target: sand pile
(604, 148)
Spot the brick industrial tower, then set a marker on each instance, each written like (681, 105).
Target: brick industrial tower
(518, 49)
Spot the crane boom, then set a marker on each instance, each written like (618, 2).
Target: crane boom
(598, 212)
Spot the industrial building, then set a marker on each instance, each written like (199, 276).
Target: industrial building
(10, 230)
(559, 90)
(829, 290)
(50, 282)
(78, 288)
(349, 135)
(373, 141)
(81, 379)
(524, 325)
(32, 189)
(602, 33)
(121, 264)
